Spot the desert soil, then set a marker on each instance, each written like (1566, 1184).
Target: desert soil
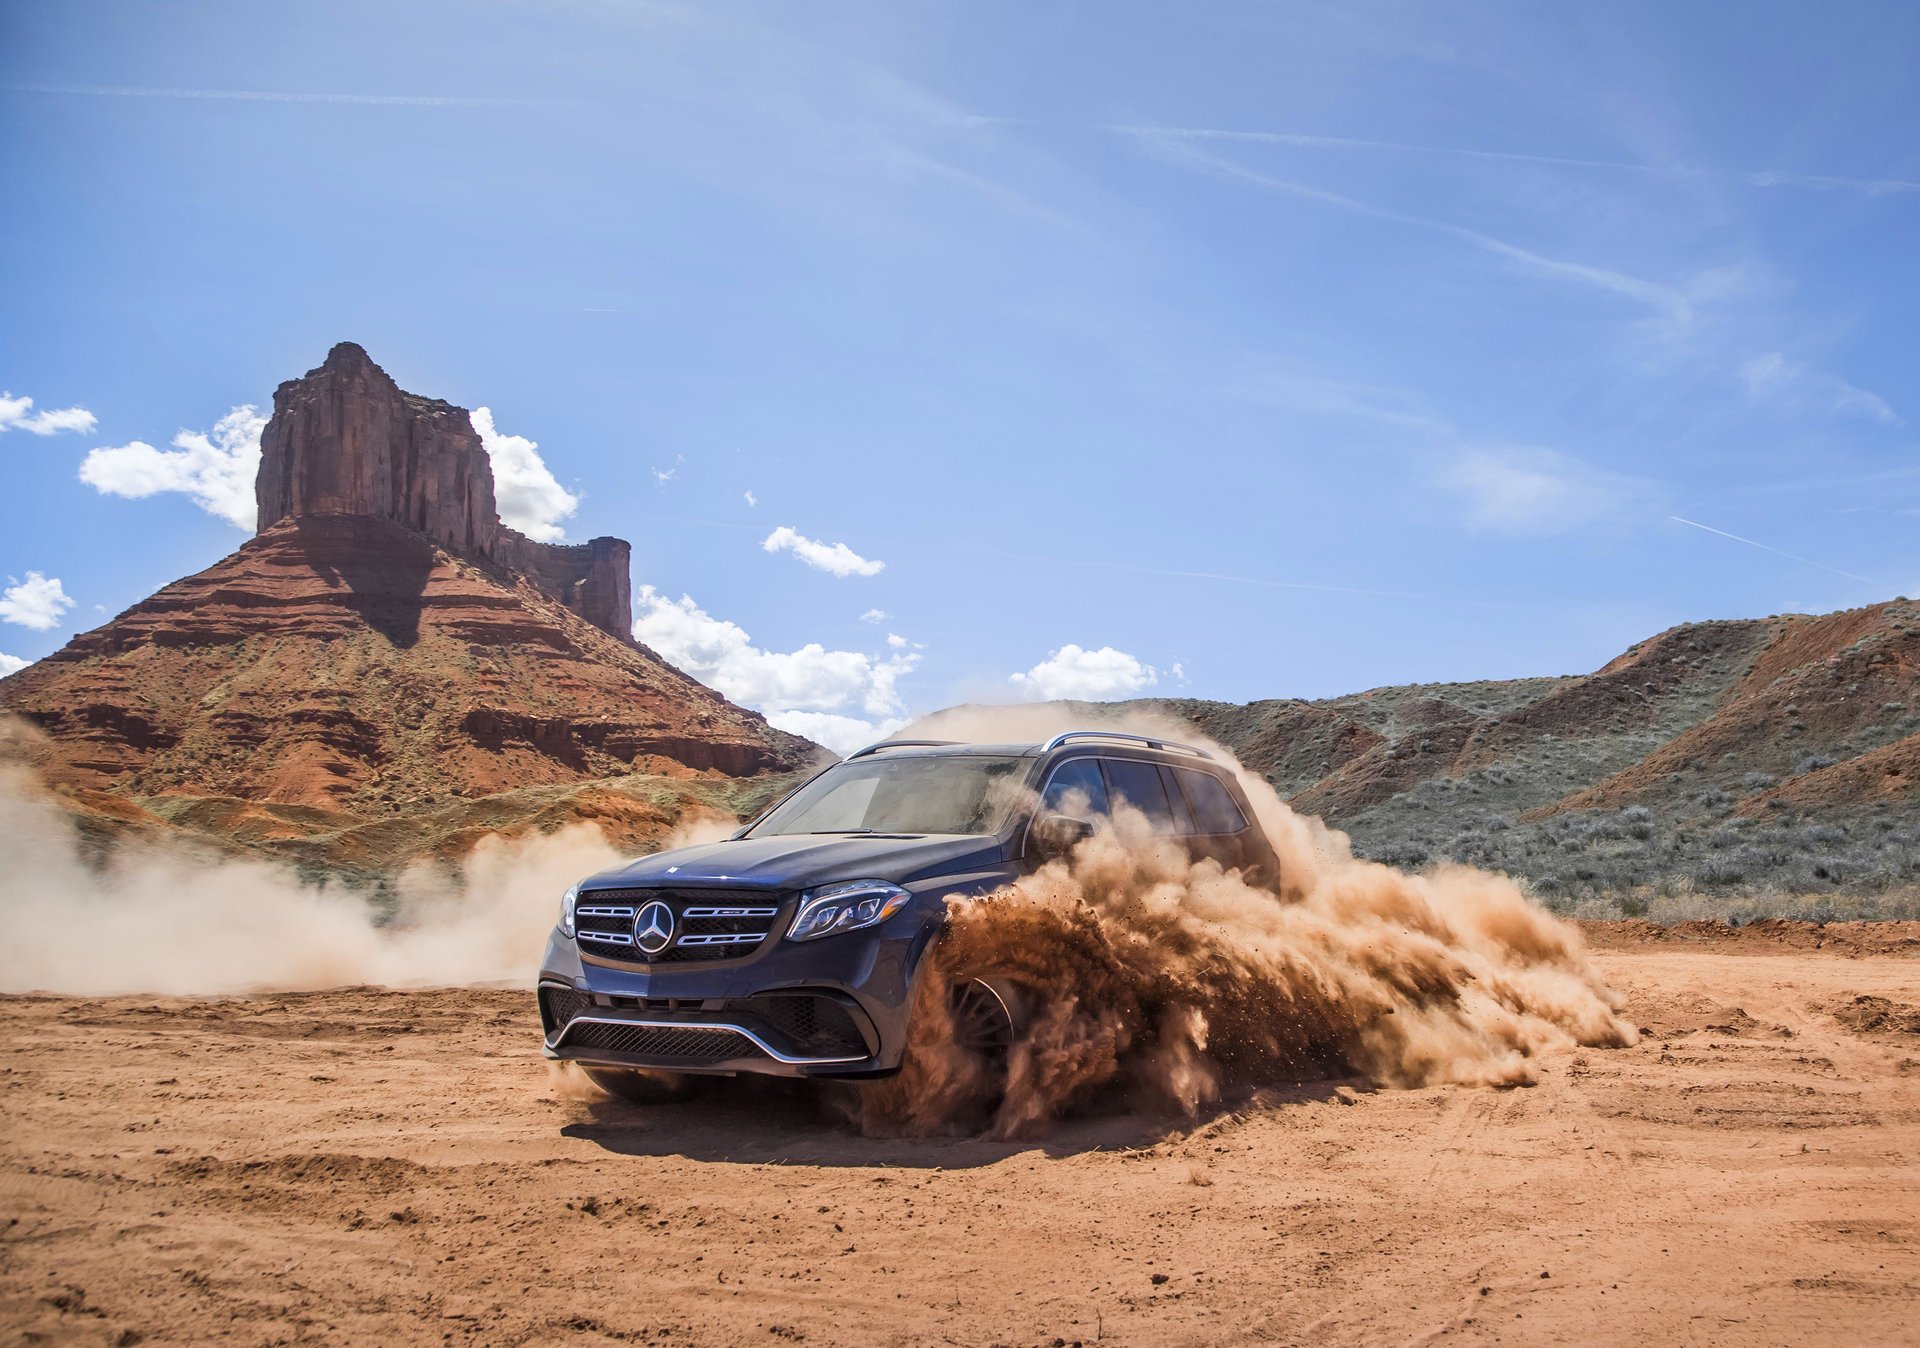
(399, 1168)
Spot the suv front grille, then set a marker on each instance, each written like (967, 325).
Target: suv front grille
(708, 924)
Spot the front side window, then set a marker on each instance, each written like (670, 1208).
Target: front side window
(961, 794)
(1075, 790)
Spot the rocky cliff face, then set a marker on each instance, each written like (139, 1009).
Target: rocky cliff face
(346, 440)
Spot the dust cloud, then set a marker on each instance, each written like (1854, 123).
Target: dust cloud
(160, 919)
(1168, 982)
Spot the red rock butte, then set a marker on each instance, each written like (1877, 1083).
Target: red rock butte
(346, 440)
(383, 646)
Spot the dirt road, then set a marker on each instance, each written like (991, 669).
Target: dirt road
(397, 1168)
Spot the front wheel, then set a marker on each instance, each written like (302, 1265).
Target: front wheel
(988, 1014)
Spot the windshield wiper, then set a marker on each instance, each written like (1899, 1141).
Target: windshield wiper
(822, 832)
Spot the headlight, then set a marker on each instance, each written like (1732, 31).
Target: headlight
(847, 906)
(566, 910)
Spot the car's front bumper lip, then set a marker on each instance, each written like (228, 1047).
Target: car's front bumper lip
(556, 1047)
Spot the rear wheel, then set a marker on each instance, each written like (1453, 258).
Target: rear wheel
(638, 1087)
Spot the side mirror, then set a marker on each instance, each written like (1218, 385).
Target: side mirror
(1057, 834)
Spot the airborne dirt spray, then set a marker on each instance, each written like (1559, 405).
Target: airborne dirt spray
(1170, 981)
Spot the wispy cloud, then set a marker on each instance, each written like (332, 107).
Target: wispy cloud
(1752, 177)
(1666, 299)
(1776, 378)
(1537, 490)
(1764, 547)
(287, 96)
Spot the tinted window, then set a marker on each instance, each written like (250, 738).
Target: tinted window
(1139, 785)
(1182, 816)
(1214, 808)
(1075, 789)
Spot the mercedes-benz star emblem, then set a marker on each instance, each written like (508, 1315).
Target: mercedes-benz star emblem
(653, 927)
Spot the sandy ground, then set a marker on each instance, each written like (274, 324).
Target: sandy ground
(366, 1166)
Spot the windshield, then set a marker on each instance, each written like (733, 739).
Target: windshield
(961, 794)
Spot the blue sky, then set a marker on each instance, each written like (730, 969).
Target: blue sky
(1233, 350)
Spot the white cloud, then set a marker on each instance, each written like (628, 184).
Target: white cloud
(793, 688)
(10, 664)
(751, 499)
(834, 558)
(530, 498)
(17, 414)
(875, 616)
(36, 602)
(842, 734)
(1774, 378)
(1086, 676)
(1535, 490)
(216, 470)
(662, 476)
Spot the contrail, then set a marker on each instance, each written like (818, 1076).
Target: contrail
(1752, 177)
(1650, 293)
(274, 96)
(1805, 561)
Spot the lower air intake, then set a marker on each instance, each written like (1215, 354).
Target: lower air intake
(675, 1042)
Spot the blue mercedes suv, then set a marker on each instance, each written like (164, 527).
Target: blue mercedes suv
(792, 948)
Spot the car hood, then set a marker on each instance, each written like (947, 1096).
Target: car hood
(796, 861)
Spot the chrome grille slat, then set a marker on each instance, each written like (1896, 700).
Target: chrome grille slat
(707, 926)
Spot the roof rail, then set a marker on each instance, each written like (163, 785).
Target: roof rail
(1064, 736)
(899, 744)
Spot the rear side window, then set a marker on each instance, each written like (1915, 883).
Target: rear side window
(1139, 785)
(1214, 808)
(1182, 816)
(1075, 789)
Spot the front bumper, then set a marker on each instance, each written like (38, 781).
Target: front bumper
(833, 1007)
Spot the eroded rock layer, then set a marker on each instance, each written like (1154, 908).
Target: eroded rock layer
(351, 664)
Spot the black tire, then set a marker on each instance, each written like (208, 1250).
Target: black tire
(988, 1015)
(638, 1087)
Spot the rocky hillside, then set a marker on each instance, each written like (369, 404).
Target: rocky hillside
(1779, 753)
(385, 650)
